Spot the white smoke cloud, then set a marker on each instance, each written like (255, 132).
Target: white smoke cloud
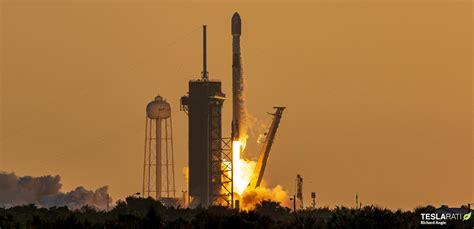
(44, 191)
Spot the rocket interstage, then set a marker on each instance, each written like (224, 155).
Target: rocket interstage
(239, 113)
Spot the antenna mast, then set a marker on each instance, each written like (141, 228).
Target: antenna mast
(204, 73)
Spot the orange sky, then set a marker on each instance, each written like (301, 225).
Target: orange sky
(379, 93)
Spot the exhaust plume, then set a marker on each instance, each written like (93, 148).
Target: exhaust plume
(253, 196)
(44, 191)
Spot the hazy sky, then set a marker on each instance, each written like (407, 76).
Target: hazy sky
(379, 93)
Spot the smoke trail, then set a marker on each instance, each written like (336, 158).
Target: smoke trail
(77, 198)
(44, 191)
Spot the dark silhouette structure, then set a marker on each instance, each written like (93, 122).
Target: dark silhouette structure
(148, 213)
(239, 116)
(207, 148)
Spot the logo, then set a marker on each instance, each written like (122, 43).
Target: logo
(467, 216)
(441, 215)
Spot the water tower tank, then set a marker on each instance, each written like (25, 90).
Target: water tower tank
(158, 109)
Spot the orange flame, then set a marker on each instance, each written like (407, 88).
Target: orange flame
(243, 171)
(243, 168)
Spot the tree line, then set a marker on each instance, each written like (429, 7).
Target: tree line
(135, 212)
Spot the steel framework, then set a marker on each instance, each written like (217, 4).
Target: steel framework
(158, 161)
(223, 164)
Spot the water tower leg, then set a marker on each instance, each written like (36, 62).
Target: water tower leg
(158, 158)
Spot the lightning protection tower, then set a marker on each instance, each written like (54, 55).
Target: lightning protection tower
(158, 162)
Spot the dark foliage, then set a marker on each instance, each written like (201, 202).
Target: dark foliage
(147, 213)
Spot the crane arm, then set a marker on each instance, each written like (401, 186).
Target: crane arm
(259, 170)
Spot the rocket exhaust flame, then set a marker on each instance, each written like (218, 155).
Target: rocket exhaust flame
(242, 168)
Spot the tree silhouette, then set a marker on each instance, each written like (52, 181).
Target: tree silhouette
(148, 213)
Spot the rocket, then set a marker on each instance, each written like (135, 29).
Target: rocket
(238, 108)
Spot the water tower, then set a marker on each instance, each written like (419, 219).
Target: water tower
(158, 167)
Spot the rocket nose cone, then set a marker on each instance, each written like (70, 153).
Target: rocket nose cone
(236, 24)
(236, 16)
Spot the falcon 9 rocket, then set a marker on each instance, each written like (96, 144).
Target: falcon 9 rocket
(239, 113)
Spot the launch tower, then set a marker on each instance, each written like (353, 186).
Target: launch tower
(210, 159)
